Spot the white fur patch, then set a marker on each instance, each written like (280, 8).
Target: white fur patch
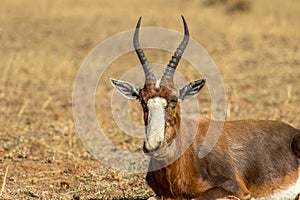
(156, 101)
(287, 194)
(157, 84)
(156, 121)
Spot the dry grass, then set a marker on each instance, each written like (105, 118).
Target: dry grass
(4, 181)
(44, 42)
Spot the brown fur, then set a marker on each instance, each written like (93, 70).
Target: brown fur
(296, 145)
(252, 158)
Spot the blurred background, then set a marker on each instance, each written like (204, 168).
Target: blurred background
(255, 44)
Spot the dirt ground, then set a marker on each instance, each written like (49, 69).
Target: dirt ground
(255, 44)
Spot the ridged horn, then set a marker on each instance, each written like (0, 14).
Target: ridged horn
(149, 75)
(171, 67)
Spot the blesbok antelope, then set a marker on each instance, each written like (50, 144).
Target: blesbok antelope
(252, 159)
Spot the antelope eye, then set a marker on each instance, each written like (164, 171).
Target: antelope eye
(173, 102)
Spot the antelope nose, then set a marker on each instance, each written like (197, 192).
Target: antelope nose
(150, 149)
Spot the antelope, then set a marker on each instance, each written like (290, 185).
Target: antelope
(252, 159)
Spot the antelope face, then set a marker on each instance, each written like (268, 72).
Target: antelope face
(160, 99)
(161, 111)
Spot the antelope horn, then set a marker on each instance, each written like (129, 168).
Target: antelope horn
(149, 75)
(171, 67)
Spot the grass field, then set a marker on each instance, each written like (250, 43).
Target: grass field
(256, 47)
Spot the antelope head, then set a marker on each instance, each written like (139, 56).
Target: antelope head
(160, 98)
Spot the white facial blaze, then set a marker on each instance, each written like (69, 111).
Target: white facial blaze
(157, 84)
(156, 122)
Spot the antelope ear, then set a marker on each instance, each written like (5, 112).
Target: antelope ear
(128, 90)
(191, 89)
